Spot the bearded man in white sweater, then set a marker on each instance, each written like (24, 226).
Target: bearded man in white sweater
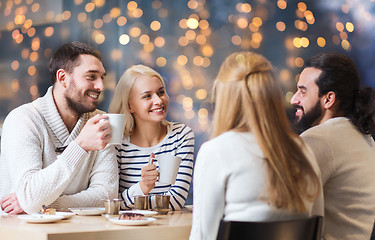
(338, 118)
(54, 150)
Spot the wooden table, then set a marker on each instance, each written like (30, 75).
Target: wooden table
(174, 226)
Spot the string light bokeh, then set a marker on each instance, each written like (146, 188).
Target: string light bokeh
(185, 41)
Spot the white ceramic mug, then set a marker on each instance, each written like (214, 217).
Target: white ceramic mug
(117, 122)
(168, 168)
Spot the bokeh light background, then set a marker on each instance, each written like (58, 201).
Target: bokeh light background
(185, 41)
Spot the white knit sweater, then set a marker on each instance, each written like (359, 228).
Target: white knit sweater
(31, 167)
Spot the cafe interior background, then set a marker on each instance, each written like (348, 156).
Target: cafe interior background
(184, 40)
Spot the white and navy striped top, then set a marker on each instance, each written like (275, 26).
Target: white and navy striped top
(179, 141)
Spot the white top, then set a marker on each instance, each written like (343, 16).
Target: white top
(179, 141)
(31, 167)
(230, 182)
(347, 161)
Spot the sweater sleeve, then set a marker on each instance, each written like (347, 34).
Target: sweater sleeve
(322, 151)
(22, 150)
(103, 183)
(209, 194)
(185, 149)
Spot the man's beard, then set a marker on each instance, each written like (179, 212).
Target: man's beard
(78, 107)
(308, 119)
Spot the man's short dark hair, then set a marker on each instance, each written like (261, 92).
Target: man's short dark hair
(67, 57)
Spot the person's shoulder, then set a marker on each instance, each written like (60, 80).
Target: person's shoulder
(21, 112)
(177, 127)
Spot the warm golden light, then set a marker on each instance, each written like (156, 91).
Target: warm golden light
(28, 23)
(257, 21)
(148, 47)
(242, 23)
(182, 60)
(121, 21)
(35, 44)
(190, 35)
(343, 35)
(155, 25)
(304, 42)
(161, 61)
(99, 3)
(198, 61)
(187, 103)
(137, 13)
(201, 94)
(34, 90)
(183, 23)
(345, 45)
(297, 42)
(280, 26)
(299, 62)
(89, 7)
(204, 24)
(15, 65)
(302, 6)
(192, 4)
(135, 32)
(183, 41)
(159, 42)
(236, 40)
(349, 26)
(66, 15)
(35, 7)
(15, 85)
(25, 53)
(281, 4)
(31, 70)
(82, 17)
(339, 26)
(98, 23)
(34, 56)
(107, 18)
(192, 23)
(124, 39)
(132, 5)
(115, 12)
(203, 113)
(321, 42)
(31, 32)
(207, 50)
(285, 75)
(144, 39)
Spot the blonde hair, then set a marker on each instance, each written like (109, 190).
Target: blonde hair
(120, 100)
(249, 99)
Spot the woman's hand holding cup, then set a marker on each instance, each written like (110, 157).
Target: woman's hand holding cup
(149, 175)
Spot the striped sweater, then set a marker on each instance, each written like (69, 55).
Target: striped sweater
(179, 141)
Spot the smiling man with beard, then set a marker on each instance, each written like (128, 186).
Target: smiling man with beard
(54, 149)
(337, 118)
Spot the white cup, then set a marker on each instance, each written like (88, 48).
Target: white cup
(117, 122)
(168, 168)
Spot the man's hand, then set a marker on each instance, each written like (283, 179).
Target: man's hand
(149, 175)
(95, 135)
(10, 204)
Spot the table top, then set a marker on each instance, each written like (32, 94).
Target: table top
(174, 225)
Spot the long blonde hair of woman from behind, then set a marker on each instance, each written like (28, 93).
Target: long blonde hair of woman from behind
(120, 100)
(249, 99)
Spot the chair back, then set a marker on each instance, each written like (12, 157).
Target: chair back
(299, 229)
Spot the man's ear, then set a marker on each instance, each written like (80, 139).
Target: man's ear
(329, 100)
(61, 76)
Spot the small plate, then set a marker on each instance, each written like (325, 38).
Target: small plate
(145, 213)
(40, 218)
(66, 215)
(190, 207)
(88, 211)
(132, 222)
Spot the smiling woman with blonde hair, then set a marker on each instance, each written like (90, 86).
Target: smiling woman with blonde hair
(142, 96)
(254, 168)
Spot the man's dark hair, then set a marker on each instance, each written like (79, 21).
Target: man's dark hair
(341, 76)
(67, 57)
